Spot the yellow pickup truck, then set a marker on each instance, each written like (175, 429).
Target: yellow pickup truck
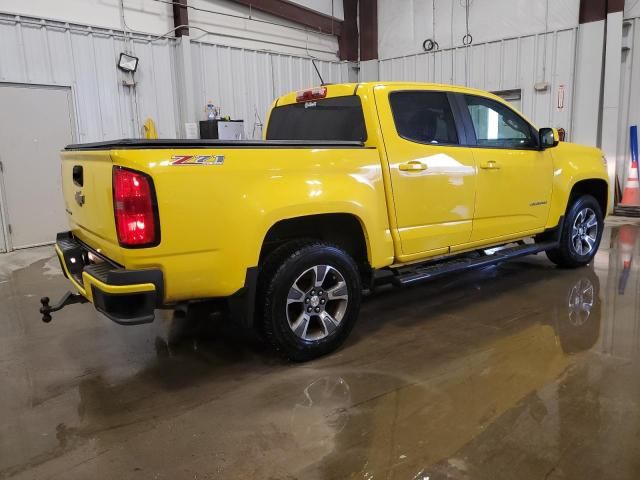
(354, 185)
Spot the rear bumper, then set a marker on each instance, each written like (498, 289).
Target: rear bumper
(127, 297)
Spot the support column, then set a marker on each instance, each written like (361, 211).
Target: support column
(184, 87)
(585, 126)
(611, 91)
(180, 17)
(348, 38)
(369, 71)
(586, 102)
(596, 103)
(368, 30)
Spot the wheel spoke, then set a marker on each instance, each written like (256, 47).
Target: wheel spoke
(320, 273)
(328, 322)
(592, 222)
(339, 292)
(590, 242)
(301, 325)
(295, 295)
(577, 244)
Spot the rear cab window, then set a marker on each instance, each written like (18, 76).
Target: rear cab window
(337, 118)
(424, 117)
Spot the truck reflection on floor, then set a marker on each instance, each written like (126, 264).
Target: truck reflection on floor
(200, 356)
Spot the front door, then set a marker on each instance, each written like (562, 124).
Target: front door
(433, 178)
(514, 176)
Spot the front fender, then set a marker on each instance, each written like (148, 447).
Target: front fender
(572, 164)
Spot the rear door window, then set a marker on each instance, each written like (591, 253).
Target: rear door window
(338, 118)
(424, 117)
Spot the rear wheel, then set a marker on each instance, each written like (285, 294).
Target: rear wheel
(581, 233)
(310, 296)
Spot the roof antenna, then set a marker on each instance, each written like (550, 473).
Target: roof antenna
(313, 60)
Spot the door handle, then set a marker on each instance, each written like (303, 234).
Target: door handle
(412, 166)
(490, 165)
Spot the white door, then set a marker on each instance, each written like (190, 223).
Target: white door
(36, 122)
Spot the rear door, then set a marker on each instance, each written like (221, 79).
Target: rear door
(514, 175)
(433, 177)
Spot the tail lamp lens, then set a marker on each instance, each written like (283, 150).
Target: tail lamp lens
(134, 206)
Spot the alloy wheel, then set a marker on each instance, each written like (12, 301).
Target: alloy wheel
(584, 232)
(317, 302)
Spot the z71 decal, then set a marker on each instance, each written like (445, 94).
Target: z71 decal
(197, 160)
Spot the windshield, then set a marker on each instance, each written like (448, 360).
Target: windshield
(338, 118)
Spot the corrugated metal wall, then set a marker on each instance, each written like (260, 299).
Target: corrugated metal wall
(516, 63)
(47, 52)
(245, 82)
(629, 93)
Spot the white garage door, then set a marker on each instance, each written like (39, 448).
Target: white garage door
(35, 124)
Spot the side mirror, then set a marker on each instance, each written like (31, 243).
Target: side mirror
(548, 137)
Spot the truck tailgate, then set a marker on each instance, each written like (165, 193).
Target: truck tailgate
(88, 197)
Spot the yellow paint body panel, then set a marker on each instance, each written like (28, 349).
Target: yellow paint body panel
(214, 218)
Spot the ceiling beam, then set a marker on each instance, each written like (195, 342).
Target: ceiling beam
(293, 12)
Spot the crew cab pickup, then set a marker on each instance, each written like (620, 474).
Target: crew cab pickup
(353, 185)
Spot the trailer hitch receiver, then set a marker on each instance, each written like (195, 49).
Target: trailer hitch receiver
(68, 299)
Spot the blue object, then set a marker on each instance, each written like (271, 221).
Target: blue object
(633, 131)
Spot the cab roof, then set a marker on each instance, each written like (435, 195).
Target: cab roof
(342, 89)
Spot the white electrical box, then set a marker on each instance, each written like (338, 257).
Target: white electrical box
(231, 130)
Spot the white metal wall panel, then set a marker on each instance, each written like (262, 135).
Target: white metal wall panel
(84, 58)
(405, 24)
(245, 82)
(502, 65)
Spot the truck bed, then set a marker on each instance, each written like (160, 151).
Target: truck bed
(133, 144)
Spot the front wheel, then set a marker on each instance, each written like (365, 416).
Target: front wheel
(580, 235)
(310, 293)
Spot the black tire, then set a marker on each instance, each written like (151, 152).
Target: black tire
(287, 266)
(567, 254)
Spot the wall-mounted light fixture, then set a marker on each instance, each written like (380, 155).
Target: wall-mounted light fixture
(127, 63)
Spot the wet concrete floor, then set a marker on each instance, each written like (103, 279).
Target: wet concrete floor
(518, 371)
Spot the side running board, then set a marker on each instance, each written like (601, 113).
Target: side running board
(420, 273)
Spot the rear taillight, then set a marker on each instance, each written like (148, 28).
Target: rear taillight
(135, 208)
(311, 94)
